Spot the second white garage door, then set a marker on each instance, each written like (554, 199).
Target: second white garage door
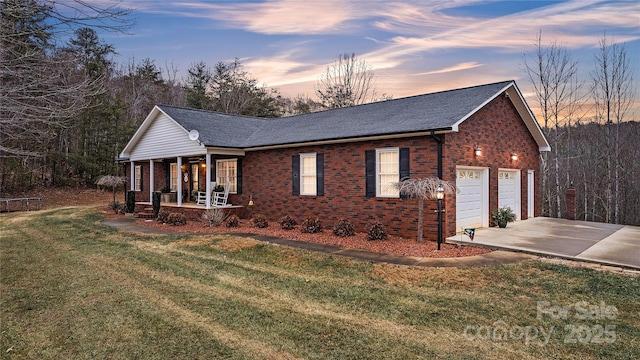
(472, 198)
(509, 190)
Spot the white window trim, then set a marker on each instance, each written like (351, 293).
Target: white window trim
(227, 175)
(171, 183)
(378, 184)
(137, 181)
(302, 175)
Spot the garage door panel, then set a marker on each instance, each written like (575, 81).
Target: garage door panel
(469, 204)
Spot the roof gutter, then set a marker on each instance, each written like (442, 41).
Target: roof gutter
(349, 139)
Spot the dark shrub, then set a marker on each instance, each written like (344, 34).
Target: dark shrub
(259, 221)
(233, 221)
(163, 216)
(116, 207)
(311, 225)
(343, 228)
(288, 223)
(177, 219)
(376, 232)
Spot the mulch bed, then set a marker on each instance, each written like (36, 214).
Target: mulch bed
(392, 245)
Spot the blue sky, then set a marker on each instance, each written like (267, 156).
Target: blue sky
(414, 47)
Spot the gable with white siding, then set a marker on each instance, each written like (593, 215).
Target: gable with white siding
(164, 138)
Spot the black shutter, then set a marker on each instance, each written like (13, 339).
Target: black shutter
(141, 178)
(167, 180)
(295, 174)
(320, 174)
(370, 172)
(404, 167)
(239, 176)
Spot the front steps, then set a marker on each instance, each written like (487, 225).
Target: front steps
(146, 213)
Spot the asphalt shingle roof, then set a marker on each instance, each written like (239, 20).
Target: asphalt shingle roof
(435, 111)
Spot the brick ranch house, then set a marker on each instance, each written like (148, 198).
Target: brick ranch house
(336, 163)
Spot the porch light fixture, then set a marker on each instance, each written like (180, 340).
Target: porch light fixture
(251, 200)
(477, 150)
(514, 157)
(439, 196)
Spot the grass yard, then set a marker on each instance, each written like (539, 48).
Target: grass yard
(73, 288)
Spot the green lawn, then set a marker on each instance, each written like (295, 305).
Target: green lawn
(73, 288)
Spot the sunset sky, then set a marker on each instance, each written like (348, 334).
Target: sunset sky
(414, 47)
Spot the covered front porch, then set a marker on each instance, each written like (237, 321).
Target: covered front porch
(187, 178)
(169, 155)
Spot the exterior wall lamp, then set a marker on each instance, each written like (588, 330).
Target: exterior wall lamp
(251, 200)
(514, 157)
(477, 150)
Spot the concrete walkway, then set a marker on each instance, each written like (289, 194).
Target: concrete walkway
(493, 258)
(607, 244)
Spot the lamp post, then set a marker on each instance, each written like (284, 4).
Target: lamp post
(439, 196)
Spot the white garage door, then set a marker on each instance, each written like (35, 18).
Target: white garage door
(469, 199)
(508, 190)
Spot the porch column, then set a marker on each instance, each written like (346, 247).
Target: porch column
(151, 186)
(132, 177)
(179, 190)
(208, 188)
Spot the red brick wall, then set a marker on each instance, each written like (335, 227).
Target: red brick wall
(267, 177)
(499, 131)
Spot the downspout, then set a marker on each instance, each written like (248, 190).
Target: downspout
(439, 141)
(440, 209)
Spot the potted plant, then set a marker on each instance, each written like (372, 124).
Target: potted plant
(218, 188)
(167, 196)
(502, 216)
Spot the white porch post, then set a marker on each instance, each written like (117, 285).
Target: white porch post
(208, 188)
(179, 181)
(151, 185)
(133, 176)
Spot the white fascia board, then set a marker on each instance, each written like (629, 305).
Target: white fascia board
(529, 119)
(126, 152)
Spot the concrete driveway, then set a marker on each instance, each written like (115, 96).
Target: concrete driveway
(607, 244)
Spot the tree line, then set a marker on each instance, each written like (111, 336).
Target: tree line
(67, 108)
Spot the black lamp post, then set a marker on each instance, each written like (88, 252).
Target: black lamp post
(439, 196)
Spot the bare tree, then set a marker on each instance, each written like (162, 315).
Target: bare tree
(423, 189)
(613, 94)
(553, 75)
(348, 82)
